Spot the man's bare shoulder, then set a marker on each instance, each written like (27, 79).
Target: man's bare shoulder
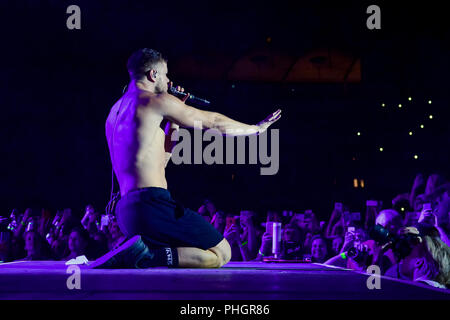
(159, 103)
(149, 99)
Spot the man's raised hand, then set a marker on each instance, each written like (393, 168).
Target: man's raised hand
(267, 122)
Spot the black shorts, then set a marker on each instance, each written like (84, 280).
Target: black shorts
(162, 222)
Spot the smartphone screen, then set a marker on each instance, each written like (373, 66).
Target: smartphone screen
(426, 206)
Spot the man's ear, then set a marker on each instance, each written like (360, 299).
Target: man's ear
(151, 75)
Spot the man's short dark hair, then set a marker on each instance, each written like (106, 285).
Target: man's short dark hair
(142, 61)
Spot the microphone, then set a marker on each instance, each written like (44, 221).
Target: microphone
(193, 99)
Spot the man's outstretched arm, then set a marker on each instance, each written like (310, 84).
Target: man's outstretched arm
(178, 112)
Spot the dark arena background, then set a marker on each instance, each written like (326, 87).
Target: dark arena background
(364, 111)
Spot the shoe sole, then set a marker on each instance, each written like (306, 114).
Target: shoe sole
(115, 258)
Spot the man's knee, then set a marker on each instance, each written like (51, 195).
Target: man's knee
(226, 254)
(223, 253)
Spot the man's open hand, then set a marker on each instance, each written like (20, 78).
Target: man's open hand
(267, 122)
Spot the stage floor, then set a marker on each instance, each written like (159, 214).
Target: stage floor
(234, 281)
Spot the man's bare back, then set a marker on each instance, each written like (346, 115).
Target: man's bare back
(136, 143)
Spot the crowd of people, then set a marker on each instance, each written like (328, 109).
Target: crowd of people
(38, 235)
(409, 239)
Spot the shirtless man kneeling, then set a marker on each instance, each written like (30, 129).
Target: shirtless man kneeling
(159, 230)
